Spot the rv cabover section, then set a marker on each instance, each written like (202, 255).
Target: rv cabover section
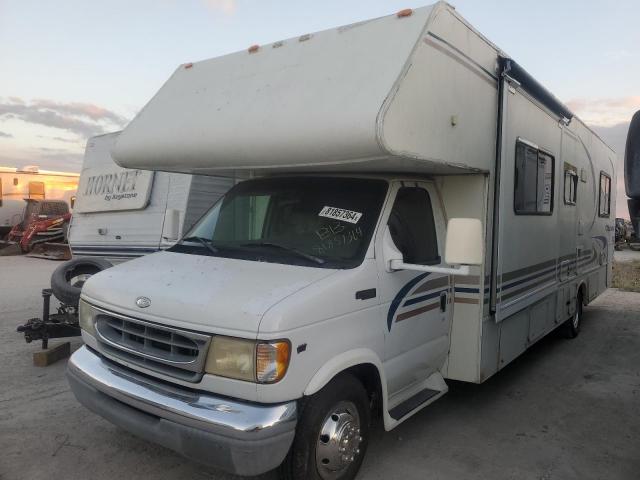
(17, 185)
(346, 99)
(125, 213)
(417, 208)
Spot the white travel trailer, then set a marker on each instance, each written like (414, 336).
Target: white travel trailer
(18, 184)
(122, 214)
(418, 208)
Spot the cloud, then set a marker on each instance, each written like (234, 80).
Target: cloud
(61, 161)
(61, 139)
(605, 111)
(5, 135)
(82, 119)
(228, 7)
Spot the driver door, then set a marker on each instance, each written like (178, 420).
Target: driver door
(415, 304)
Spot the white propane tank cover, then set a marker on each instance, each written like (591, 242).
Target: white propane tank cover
(464, 244)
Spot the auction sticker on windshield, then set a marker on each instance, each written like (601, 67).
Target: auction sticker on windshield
(340, 214)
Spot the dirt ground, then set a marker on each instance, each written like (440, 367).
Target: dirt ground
(567, 409)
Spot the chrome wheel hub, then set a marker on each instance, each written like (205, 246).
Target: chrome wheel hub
(338, 443)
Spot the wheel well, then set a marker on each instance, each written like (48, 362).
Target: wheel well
(582, 289)
(369, 376)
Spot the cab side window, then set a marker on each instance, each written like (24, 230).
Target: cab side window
(413, 228)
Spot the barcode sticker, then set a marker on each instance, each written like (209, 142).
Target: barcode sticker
(340, 214)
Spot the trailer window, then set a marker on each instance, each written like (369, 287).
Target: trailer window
(604, 201)
(570, 184)
(413, 228)
(0, 192)
(36, 190)
(534, 174)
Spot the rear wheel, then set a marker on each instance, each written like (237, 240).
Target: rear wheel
(571, 327)
(332, 433)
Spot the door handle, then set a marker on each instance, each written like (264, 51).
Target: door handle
(443, 302)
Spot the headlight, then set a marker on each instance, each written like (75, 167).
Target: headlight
(232, 357)
(247, 359)
(86, 317)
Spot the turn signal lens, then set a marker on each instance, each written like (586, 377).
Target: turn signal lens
(272, 361)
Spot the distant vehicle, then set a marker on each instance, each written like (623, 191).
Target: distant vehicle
(44, 221)
(417, 208)
(121, 214)
(30, 182)
(632, 178)
(623, 233)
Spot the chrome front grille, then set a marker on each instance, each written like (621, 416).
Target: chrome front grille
(171, 351)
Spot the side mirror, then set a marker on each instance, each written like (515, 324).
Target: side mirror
(464, 247)
(464, 242)
(171, 228)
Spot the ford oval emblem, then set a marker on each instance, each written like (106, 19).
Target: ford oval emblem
(143, 302)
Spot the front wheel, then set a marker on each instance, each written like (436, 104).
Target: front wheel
(332, 434)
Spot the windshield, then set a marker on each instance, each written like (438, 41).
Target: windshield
(315, 221)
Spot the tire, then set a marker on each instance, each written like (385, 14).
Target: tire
(571, 328)
(338, 412)
(68, 278)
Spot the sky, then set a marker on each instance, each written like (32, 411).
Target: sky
(71, 69)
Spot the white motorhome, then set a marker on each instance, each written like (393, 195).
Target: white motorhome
(417, 208)
(18, 184)
(125, 213)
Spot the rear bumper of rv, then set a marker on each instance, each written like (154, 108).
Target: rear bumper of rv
(238, 437)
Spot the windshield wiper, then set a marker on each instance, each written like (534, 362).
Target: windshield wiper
(300, 253)
(205, 242)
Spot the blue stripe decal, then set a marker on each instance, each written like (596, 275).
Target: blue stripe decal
(404, 291)
(533, 276)
(413, 301)
(467, 290)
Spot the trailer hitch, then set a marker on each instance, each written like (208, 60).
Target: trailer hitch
(64, 323)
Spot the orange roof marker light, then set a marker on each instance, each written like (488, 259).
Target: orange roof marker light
(407, 12)
(188, 65)
(253, 48)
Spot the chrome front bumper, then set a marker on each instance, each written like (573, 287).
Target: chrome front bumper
(239, 437)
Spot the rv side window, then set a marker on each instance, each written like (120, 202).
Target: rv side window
(36, 190)
(570, 185)
(0, 192)
(534, 172)
(604, 202)
(413, 228)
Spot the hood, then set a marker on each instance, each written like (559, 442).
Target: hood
(212, 294)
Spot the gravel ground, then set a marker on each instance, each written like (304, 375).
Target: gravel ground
(564, 410)
(626, 255)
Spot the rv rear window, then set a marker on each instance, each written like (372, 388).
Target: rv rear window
(604, 201)
(570, 185)
(36, 190)
(534, 172)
